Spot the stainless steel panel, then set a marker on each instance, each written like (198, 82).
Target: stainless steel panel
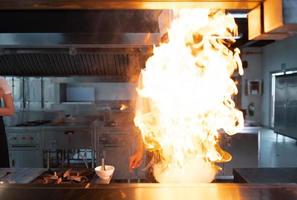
(50, 90)
(118, 157)
(291, 88)
(67, 139)
(119, 63)
(24, 148)
(244, 149)
(280, 104)
(291, 115)
(213, 191)
(77, 40)
(129, 4)
(25, 158)
(286, 105)
(16, 84)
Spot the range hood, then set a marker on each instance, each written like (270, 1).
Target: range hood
(110, 44)
(273, 20)
(108, 38)
(128, 4)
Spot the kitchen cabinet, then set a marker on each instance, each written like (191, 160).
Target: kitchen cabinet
(26, 157)
(286, 105)
(24, 148)
(66, 138)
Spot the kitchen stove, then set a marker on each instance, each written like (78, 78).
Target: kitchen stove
(67, 176)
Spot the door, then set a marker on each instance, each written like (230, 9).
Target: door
(280, 104)
(286, 105)
(31, 158)
(291, 106)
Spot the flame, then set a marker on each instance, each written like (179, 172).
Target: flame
(185, 96)
(123, 107)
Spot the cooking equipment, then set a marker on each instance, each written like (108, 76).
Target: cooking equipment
(66, 176)
(19, 175)
(24, 147)
(129, 4)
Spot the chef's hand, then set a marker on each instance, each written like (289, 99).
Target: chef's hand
(135, 160)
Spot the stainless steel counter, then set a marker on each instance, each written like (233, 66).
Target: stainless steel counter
(19, 175)
(249, 130)
(153, 191)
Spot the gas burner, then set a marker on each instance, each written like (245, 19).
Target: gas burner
(69, 176)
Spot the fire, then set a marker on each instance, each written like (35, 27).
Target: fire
(123, 107)
(185, 96)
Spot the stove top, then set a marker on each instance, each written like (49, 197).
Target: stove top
(65, 176)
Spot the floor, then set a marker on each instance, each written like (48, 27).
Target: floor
(277, 150)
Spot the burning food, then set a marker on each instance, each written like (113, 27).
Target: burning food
(185, 96)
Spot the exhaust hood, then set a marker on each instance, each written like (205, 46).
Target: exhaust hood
(273, 20)
(108, 38)
(110, 44)
(128, 4)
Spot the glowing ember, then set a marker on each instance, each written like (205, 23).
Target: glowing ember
(185, 96)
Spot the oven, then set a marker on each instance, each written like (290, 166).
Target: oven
(24, 148)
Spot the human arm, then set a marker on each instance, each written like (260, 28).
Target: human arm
(136, 159)
(8, 108)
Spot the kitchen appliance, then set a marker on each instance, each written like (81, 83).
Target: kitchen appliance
(24, 148)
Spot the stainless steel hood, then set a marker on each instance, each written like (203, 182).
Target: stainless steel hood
(121, 63)
(100, 38)
(118, 56)
(75, 40)
(128, 4)
(273, 20)
(104, 43)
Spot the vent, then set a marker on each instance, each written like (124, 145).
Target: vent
(123, 64)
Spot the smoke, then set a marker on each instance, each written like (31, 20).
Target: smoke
(192, 171)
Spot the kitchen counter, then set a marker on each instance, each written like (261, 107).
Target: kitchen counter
(19, 175)
(153, 191)
(265, 175)
(249, 130)
(137, 191)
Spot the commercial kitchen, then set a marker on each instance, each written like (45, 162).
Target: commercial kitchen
(117, 99)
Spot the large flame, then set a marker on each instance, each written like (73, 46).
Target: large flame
(185, 96)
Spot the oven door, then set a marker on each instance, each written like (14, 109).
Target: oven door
(21, 157)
